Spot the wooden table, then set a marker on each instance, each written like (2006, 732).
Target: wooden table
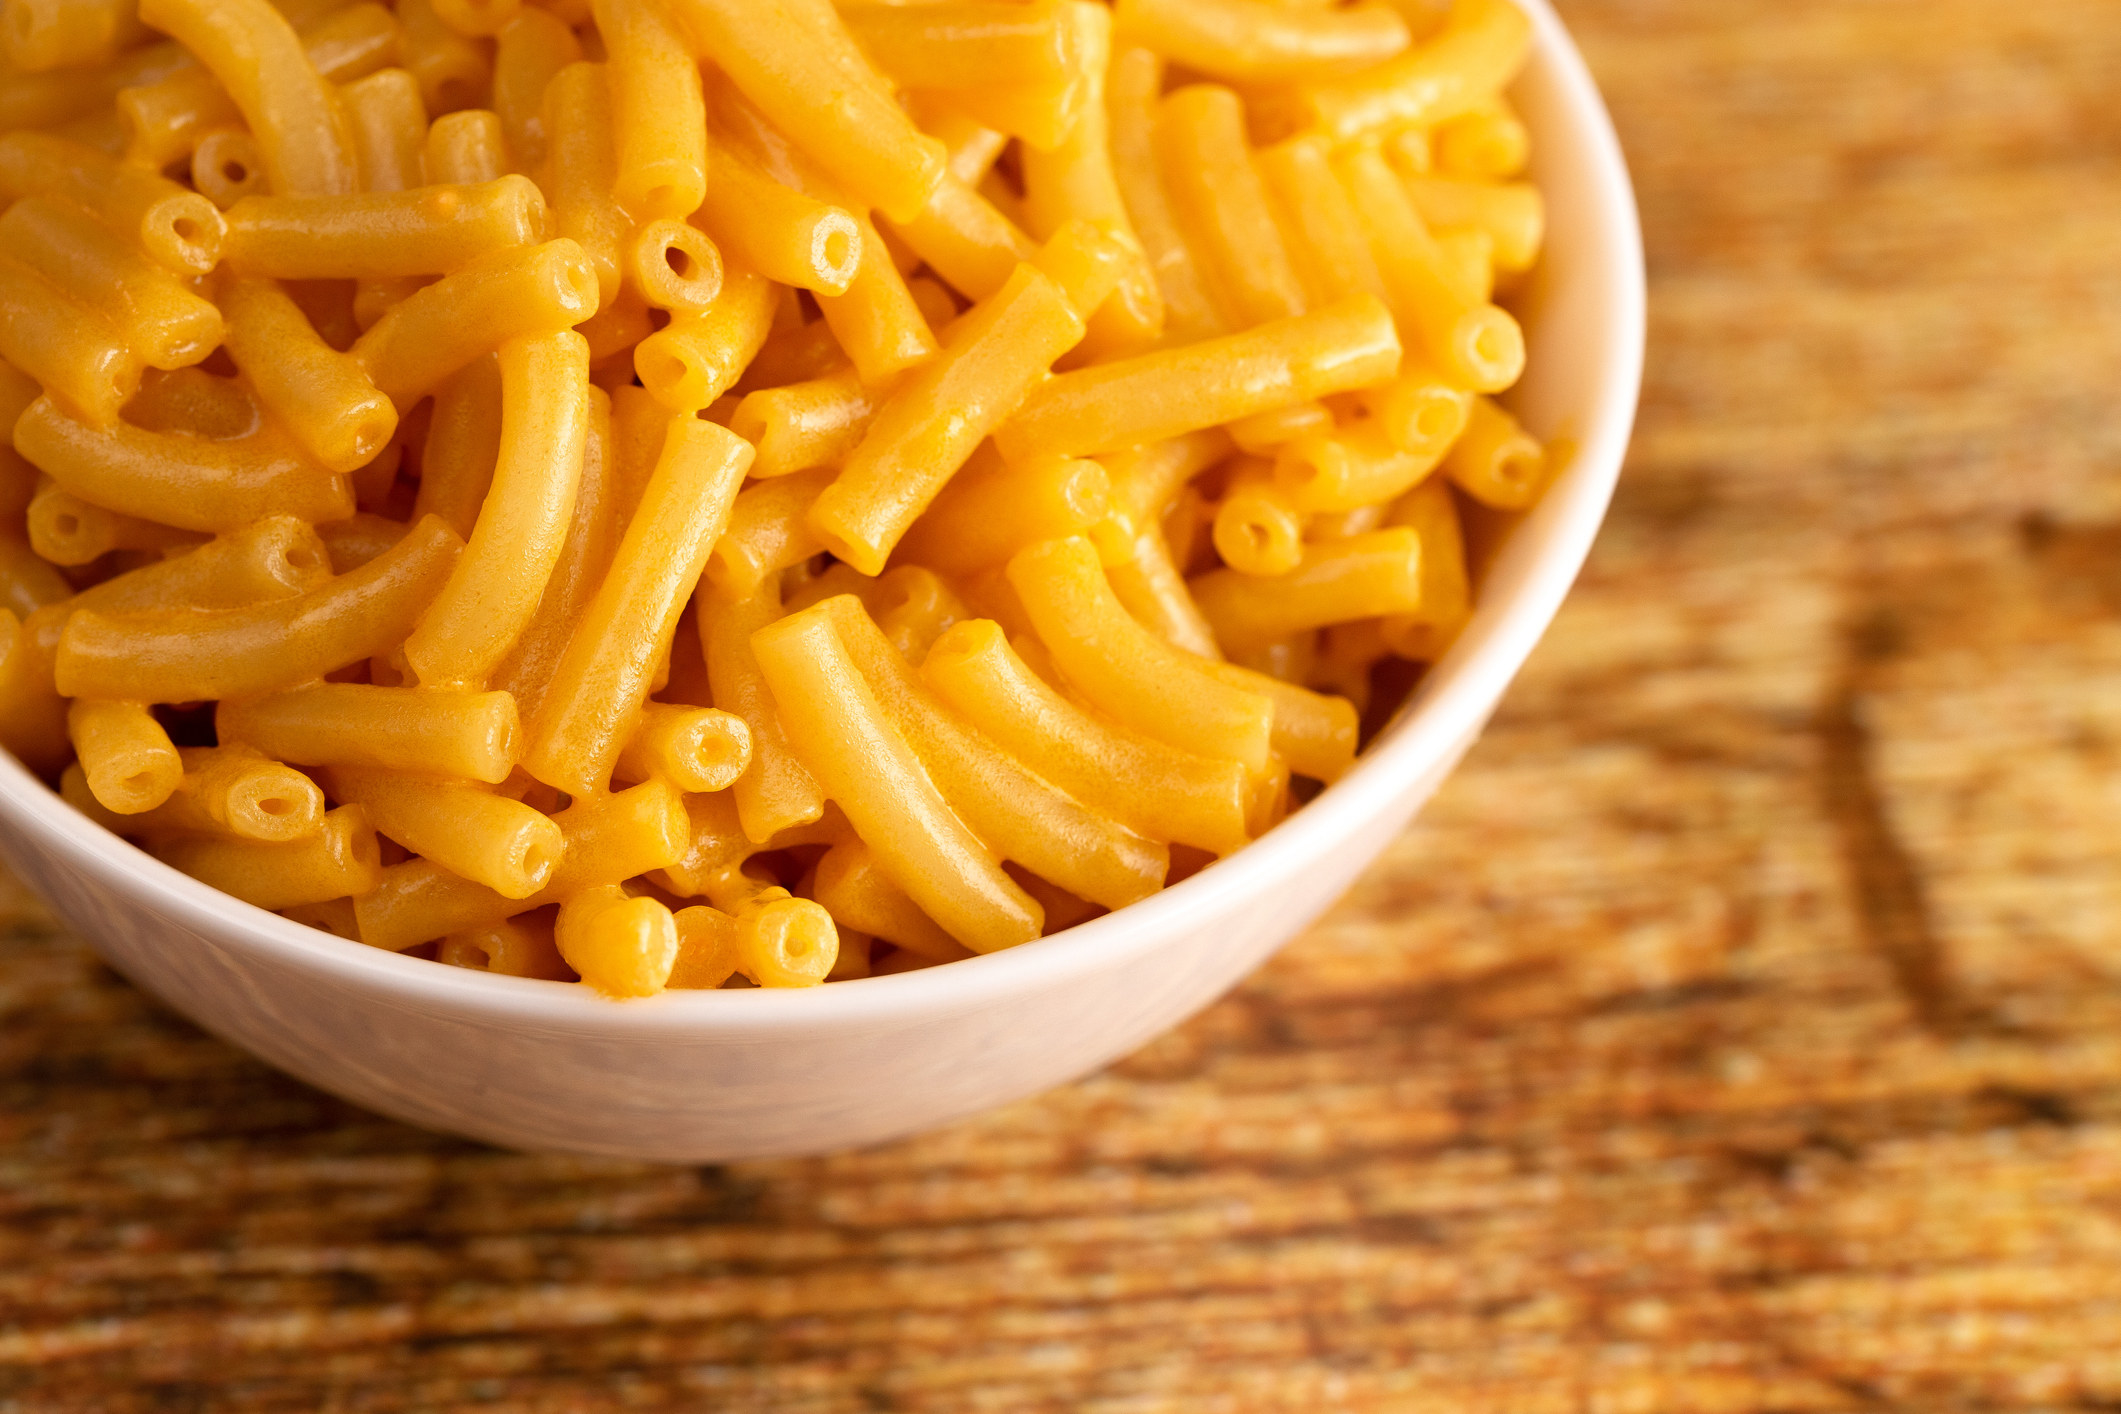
(1740, 1030)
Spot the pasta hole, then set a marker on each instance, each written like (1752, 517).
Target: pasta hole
(303, 558)
(681, 262)
(138, 783)
(1434, 421)
(1516, 467)
(277, 806)
(67, 524)
(234, 173)
(1257, 537)
(187, 229)
(537, 860)
(837, 250)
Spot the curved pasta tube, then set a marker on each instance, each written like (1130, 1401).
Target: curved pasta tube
(1159, 790)
(1477, 344)
(161, 319)
(341, 860)
(776, 792)
(581, 170)
(1315, 734)
(1446, 590)
(514, 947)
(989, 511)
(531, 48)
(1078, 180)
(28, 582)
(298, 815)
(782, 233)
(387, 124)
(1128, 672)
(1221, 205)
(1020, 816)
(1262, 433)
(494, 590)
(1258, 530)
(694, 748)
(807, 425)
(167, 119)
(226, 167)
(707, 949)
(603, 676)
(324, 398)
(1327, 242)
(1513, 214)
(781, 57)
(68, 348)
(467, 148)
(659, 116)
(1495, 461)
(620, 945)
(857, 892)
(126, 756)
(1420, 410)
(274, 558)
(501, 296)
(1257, 41)
(472, 735)
(935, 418)
(1477, 52)
(1359, 465)
(190, 483)
(252, 49)
(54, 34)
(237, 792)
(468, 830)
(964, 239)
(592, 536)
(1134, 86)
(179, 228)
(382, 235)
(837, 727)
(674, 266)
(767, 532)
(193, 656)
(1155, 593)
(610, 839)
(876, 321)
(1364, 576)
(463, 445)
(695, 358)
(32, 715)
(1147, 398)
(67, 530)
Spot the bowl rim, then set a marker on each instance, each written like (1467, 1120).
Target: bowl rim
(1446, 710)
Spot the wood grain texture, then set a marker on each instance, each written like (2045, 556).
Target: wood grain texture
(1739, 1031)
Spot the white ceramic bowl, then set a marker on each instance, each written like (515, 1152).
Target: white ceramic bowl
(701, 1076)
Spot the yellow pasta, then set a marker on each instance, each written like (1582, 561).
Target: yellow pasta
(602, 677)
(254, 52)
(424, 231)
(129, 761)
(934, 420)
(507, 294)
(620, 945)
(1361, 577)
(1125, 670)
(658, 112)
(467, 829)
(1153, 396)
(340, 861)
(164, 322)
(1222, 208)
(864, 765)
(395, 393)
(782, 53)
(472, 735)
(1257, 40)
(180, 655)
(530, 49)
(1494, 461)
(323, 397)
(494, 588)
(1164, 792)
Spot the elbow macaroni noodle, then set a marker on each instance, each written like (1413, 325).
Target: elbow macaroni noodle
(708, 493)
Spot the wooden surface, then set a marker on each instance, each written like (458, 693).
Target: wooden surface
(1740, 1030)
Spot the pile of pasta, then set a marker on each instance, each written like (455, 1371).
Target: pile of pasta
(685, 493)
